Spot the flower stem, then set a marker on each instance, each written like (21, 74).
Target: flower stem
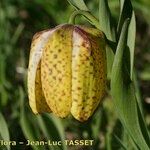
(86, 14)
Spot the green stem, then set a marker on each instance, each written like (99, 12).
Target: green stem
(86, 14)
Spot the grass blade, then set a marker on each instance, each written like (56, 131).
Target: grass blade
(78, 4)
(4, 133)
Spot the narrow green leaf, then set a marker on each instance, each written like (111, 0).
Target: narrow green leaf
(30, 131)
(121, 5)
(125, 6)
(105, 19)
(44, 130)
(107, 26)
(4, 96)
(95, 123)
(52, 129)
(17, 33)
(123, 94)
(125, 12)
(137, 90)
(3, 80)
(121, 143)
(4, 133)
(110, 59)
(60, 128)
(78, 4)
(108, 141)
(143, 126)
(131, 42)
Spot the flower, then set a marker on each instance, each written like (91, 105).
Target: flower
(67, 71)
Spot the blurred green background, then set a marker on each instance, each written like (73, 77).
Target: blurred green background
(19, 21)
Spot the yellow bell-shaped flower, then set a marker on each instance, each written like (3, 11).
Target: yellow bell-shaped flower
(67, 71)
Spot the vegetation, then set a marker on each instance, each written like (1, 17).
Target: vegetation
(119, 122)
